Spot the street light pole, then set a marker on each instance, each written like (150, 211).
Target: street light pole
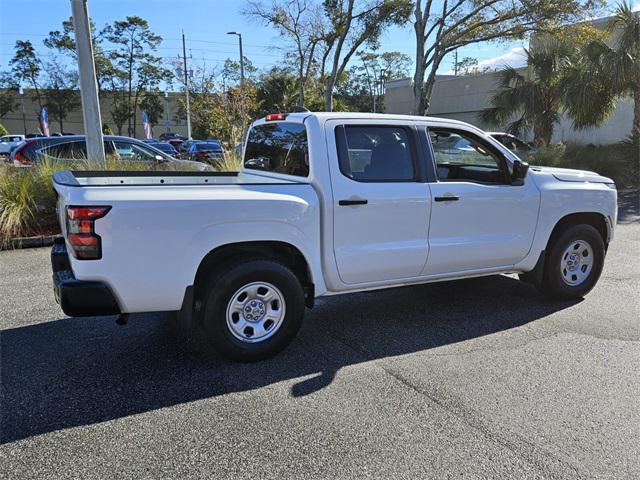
(242, 110)
(88, 84)
(241, 58)
(186, 85)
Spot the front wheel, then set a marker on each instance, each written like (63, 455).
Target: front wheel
(574, 263)
(252, 310)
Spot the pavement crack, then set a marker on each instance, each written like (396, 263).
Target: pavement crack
(514, 446)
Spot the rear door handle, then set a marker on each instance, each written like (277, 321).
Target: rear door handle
(355, 201)
(447, 198)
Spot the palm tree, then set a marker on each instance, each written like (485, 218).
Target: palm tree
(602, 73)
(533, 98)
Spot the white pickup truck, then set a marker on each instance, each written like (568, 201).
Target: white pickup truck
(327, 203)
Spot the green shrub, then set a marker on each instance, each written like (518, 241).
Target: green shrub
(3, 131)
(550, 156)
(620, 161)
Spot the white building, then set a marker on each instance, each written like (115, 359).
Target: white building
(464, 98)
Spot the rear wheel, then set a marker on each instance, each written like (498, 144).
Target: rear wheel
(253, 310)
(574, 262)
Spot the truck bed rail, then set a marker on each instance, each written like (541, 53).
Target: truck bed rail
(110, 178)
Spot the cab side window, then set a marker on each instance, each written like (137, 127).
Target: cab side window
(461, 156)
(372, 153)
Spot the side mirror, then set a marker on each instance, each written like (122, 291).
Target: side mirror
(159, 158)
(520, 170)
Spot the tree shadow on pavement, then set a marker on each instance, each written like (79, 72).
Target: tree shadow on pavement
(75, 371)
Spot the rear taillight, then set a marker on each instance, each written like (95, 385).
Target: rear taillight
(85, 243)
(275, 116)
(20, 157)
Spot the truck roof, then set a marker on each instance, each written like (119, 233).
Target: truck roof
(300, 116)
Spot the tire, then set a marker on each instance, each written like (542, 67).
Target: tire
(574, 263)
(252, 310)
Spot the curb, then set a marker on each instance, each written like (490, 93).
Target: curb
(28, 242)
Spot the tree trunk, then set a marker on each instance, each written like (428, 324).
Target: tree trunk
(328, 94)
(427, 89)
(635, 131)
(302, 81)
(418, 76)
(542, 133)
(135, 108)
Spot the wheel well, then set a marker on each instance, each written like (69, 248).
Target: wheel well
(283, 252)
(596, 220)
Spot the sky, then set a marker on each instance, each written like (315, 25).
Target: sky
(205, 24)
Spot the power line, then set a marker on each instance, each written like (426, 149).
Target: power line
(163, 39)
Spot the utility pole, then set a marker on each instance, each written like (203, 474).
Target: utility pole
(24, 117)
(167, 122)
(455, 64)
(88, 84)
(380, 85)
(186, 85)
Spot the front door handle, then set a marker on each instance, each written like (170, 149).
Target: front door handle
(447, 198)
(355, 201)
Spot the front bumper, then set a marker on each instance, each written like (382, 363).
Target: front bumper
(78, 298)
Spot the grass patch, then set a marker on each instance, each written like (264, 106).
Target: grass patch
(28, 200)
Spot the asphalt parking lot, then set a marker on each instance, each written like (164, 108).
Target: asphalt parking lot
(472, 379)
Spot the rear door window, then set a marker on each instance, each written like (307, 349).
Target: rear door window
(375, 153)
(278, 147)
(132, 152)
(66, 151)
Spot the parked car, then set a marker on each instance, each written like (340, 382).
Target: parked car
(208, 152)
(165, 136)
(327, 203)
(73, 148)
(513, 143)
(184, 148)
(175, 142)
(166, 148)
(8, 143)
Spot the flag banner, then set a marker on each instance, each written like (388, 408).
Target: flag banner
(44, 121)
(148, 133)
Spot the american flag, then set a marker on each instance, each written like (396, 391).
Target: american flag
(44, 121)
(148, 133)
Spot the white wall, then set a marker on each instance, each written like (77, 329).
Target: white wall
(464, 97)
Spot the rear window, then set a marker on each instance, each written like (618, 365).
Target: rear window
(208, 146)
(278, 147)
